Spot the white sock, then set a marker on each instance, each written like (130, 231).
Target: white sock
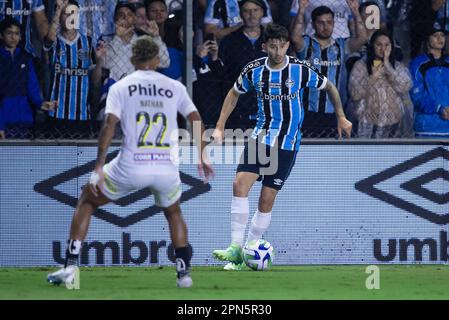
(259, 224)
(239, 219)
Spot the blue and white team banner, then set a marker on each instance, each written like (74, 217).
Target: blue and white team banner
(342, 204)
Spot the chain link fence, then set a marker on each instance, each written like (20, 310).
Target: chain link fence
(376, 91)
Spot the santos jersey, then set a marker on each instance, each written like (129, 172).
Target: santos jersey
(147, 104)
(280, 113)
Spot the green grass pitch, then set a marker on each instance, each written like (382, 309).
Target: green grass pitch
(210, 283)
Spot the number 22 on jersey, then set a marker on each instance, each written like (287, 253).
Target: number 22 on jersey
(151, 130)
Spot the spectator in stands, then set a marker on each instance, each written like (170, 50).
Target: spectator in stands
(72, 57)
(207, 73)
(236, 50)
(422, 16)
(207, 90)
(328, 55)
(224, 17)
(377, 84)
(117, 60)
(343, 20)
(114, 63)
(366, 10)
(19, 87)
(144, 26)
(442, 9)
(22, 10)
(97, 19)
(430, 93)
(157, 11)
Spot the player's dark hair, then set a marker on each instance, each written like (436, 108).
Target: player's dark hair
(144, 49)
(370, 55)
(321, 10)
(275, 31)
(365, 5)
(7, 23)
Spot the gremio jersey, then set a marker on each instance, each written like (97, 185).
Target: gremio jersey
(147, 104)
(71, 61)
(280, 113)
(22, 10)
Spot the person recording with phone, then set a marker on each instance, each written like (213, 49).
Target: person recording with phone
(209, 70)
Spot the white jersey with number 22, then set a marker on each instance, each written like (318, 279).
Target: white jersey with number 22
(147, 104)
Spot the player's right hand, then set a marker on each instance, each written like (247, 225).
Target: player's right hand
(218, 135)
(96, 178)
(2, 135)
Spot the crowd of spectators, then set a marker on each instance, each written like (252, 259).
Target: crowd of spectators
(388, 58)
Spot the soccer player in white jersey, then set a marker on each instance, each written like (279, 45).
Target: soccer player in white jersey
(146, 103)
(278, 81)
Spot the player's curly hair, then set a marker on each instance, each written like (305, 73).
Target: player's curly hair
(144, 49)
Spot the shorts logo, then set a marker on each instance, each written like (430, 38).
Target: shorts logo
(278, 182)
(49, 188)
(416, 186)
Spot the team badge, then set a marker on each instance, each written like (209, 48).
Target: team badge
(289, 83)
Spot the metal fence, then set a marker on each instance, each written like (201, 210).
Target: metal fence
(376, 98)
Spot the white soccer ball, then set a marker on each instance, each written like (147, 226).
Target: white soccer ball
(258, 254)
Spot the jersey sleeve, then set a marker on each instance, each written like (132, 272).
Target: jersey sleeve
(185, 104)
(312, 78)
(243, 84)
(113, 102)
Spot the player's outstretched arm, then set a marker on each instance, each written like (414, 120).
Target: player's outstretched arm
(343, 124)
(228, 106)
(205, 169)
(104, 141)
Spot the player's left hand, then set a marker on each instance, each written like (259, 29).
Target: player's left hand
(344, 125)
(96, 178)
(206, 171)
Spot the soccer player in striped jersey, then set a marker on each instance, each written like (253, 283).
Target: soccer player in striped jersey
(328, 55)
(71, 59)
(22, 10)
(278, 81)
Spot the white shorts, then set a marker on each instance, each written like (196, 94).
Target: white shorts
(165, 185)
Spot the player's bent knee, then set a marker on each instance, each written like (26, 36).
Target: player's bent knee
(240, 188)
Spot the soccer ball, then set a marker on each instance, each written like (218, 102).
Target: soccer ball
(258, 254)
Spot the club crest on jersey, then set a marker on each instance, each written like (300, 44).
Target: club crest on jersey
(289, 83)
(83, 54)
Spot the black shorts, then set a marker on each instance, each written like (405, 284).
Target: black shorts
(272, 164)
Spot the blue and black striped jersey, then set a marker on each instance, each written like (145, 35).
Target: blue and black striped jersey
(70, 71)
(330, 62)
(22, 10)
(280, 112)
